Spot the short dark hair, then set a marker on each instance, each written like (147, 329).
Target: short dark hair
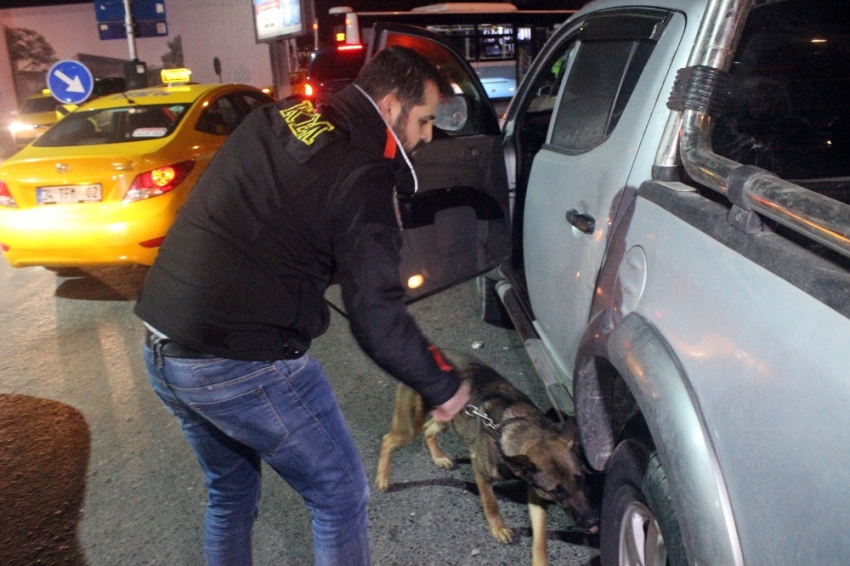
(404, 72)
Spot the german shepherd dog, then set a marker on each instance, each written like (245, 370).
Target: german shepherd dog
(508, 437)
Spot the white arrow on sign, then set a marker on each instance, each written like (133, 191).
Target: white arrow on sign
(74, 85)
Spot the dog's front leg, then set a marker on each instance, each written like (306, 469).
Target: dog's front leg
(408, 416)
(537, 513)
(498, 528)
(432, 429)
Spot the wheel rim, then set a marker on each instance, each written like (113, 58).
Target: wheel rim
(641, 543)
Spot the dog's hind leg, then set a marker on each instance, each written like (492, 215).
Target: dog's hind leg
(432, 429)
(537, 513)
(408, 419)
(498, 528)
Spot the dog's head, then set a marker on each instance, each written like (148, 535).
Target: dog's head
(552, 467)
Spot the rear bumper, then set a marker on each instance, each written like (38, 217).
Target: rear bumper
(83, 234)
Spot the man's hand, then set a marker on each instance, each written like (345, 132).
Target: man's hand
(447, 411)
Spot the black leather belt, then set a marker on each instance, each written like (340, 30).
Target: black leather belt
(170, 348)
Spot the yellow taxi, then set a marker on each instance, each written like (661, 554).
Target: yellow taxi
(36, 114)
(103, 185)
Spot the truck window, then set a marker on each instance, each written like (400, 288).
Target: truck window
(610, 56)
(789, 111)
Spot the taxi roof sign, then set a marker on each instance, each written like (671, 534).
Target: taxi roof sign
(176, 76)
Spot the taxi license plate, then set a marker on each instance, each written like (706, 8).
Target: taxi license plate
(69, 194)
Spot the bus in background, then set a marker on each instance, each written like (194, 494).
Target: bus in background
(497, 39)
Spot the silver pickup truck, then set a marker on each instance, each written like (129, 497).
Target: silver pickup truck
(665, 205)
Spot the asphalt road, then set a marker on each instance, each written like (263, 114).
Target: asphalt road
(94, 471)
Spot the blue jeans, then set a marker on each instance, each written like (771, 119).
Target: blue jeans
(235, 414)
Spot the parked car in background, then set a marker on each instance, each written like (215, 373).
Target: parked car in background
(330, 69)
(103, 185)
(42, 110)
(36, 114)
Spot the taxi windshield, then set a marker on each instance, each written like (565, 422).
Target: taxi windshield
(114, 125)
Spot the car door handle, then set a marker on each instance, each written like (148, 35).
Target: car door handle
(583, 222)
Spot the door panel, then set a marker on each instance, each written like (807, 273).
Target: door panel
(615, 65)
(457, 224)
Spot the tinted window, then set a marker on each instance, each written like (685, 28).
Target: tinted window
(219, 118)
(610, 57)
(789, 111)
(254, 100)
(113, 125)
(461, 80)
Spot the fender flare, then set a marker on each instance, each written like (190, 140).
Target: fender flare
(656, 378)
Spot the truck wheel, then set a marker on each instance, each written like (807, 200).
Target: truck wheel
(639, 526)
(488, 306)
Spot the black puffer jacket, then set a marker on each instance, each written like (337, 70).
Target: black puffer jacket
(294, 195)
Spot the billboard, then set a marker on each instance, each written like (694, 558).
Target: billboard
(282, 19)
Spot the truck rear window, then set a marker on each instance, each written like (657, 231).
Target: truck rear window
(789, 111)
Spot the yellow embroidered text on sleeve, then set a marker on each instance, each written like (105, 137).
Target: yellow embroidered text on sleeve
(305, 123)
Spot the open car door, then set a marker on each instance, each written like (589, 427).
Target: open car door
(457, 224)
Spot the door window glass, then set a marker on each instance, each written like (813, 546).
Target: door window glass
(254, 100)
(219, 118)
(609, 58)
(479, 109)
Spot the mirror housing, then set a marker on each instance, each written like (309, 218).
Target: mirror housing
(452, 113)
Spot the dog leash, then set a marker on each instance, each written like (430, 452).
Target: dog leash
(473, 411)
(487, 422)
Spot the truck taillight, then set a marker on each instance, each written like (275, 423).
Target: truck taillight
(6, 198)
(158, 181)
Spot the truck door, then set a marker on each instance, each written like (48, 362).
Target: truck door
(457, 224)
(576, 128)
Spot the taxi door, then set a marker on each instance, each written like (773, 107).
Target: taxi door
(457, 224)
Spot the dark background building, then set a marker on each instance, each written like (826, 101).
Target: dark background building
(323, 5)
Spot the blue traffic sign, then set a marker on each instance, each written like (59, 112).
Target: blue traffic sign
(70, 81)
(118, 30)
(113, 10)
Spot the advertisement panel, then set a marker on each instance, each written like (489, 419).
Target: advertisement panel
(281, 19)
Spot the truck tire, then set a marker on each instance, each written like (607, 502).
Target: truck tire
(638, 526)
(488, 306)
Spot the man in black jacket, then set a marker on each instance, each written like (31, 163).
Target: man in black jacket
(296, 194)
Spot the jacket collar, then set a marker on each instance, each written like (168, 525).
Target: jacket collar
(367, 126)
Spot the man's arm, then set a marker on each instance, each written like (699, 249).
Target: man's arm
(367, 252)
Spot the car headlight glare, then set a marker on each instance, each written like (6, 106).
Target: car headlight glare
(16, 127)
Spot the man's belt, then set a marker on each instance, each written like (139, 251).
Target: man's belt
(170, 348)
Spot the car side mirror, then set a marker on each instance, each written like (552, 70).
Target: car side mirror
(452, 113)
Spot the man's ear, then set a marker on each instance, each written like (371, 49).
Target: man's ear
(390, 107)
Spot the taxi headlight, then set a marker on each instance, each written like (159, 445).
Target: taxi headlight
(16, 127)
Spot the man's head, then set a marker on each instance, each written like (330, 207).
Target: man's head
(406, 88)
